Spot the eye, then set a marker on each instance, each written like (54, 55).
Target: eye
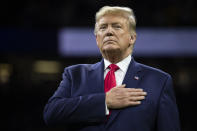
(117, 26)
(102, 27)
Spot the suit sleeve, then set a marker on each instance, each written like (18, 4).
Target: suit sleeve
(62, 108)
(168, 117)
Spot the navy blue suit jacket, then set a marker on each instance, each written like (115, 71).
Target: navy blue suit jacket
(79, 102)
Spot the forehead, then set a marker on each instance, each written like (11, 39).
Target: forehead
(109, 19)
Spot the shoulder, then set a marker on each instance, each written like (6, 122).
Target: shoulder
(81, 67)
(152, 70)
(78, 67)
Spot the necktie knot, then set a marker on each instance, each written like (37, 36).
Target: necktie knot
(113, 67)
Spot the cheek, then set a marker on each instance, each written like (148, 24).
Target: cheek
(99, 38)
(124, 38)
(98, 41)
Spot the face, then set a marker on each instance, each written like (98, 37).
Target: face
(113, 35)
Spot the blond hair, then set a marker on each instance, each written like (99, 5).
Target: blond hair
(116, 10)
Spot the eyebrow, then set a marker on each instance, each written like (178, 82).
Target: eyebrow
(115, 23)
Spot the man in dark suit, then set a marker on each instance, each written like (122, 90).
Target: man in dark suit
(116, 93)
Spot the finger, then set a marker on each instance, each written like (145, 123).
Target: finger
(137, 98)
(137, 93)
(121, 86)
(135, 89)
(133, 103)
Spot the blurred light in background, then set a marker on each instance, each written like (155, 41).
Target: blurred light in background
(5, 73)
(46, 67)
(150, 42)
(77, 42)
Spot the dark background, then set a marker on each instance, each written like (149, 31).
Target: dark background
(29, 35)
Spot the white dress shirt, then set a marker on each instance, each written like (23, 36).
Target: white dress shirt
(119, 74)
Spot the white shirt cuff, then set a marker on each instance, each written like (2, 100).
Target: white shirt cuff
(106, 110)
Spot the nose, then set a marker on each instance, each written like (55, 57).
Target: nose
(109, 34)
(109, 31)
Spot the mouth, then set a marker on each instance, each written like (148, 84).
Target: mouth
(109, 41)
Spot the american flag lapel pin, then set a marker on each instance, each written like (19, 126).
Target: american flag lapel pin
(136, 77)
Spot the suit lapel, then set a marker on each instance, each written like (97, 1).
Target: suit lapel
(133, 75)
(96, 77)
(132, 78)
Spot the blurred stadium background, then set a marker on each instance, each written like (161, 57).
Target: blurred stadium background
(39, 38)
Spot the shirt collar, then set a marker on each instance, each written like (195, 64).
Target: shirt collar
(123, 65)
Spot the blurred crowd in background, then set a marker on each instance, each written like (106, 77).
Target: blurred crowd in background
(57, 14)
(31, 67)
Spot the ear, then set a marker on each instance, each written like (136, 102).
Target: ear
(96, 39)
(132, 39)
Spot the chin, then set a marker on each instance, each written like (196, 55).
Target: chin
(111, 49)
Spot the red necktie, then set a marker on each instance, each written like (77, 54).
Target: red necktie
(110, 79)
